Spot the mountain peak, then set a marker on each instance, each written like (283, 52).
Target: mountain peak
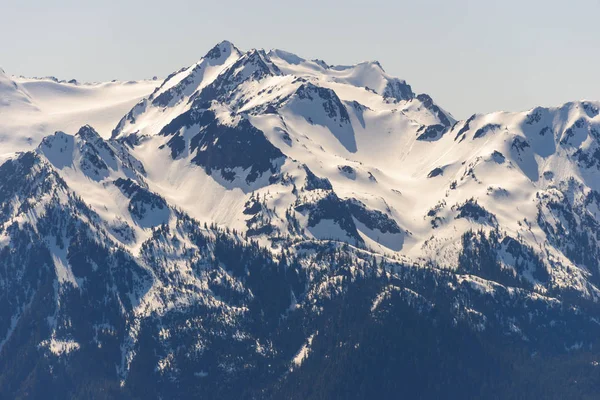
(87, 132)
(257, 54)
(255, 63)
(221, 50)
(372, 63)
(286, 56)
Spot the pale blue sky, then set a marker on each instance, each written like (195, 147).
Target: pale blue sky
(470, 56)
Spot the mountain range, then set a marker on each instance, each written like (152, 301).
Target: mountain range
(260, 225)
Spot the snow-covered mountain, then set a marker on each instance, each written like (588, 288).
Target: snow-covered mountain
(259, 218)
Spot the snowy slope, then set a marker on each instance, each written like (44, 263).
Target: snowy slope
(31, 108)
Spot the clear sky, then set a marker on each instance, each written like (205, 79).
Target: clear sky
(470, 56)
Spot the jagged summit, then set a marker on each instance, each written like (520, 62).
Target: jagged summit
(222, 49)
(257, 81)
(87, 132)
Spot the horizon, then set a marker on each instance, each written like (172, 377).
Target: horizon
(160, 79)
(500, 57)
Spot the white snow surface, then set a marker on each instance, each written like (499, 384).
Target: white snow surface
(303, 353)
(31, 108)
(58, 347)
